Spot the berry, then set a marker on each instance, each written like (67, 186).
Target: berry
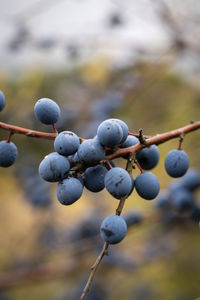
(147, 185)
(8, 154)
(66, 143)
(69, 190)
(2, 101)
(47, 111)
(124, 128)
(148, 157)
(176, 163)
(91, 151)
(191, 180)
(182, 200)
(118, 182)
(94, 178)
(113, 229)
(109, 133)
(163, 202)
(54, 167)
(129, 142)
(132, 218)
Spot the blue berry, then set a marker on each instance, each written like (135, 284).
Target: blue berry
(113, 229)
(183, 200)
(191, 180)
(132, 218)
(2, 101)
(94, 178)
(91, 151)
(176, 163)
(47, 111)
(69, 190)
(110, 133)
(124, 128)
(118, 182)
(147, 185)
(129, 142)
(8, 154)
(163, 202)
(54, 167)
(148, 157)
(66, 143)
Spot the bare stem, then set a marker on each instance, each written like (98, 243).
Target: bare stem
(104, 251)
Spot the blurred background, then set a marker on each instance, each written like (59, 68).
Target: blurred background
(135, 60)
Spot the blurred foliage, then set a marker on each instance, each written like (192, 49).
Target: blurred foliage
(153, 98)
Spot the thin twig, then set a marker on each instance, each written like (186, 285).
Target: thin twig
(94, 269)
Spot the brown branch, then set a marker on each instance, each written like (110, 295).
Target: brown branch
(104, 251)
(27, 132)
(31, 133)
(157, 139)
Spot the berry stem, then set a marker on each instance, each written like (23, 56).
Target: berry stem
(139, 167)
(54, 129)
(109, 164)
(9, 137)
(180, 142)
(120, 206)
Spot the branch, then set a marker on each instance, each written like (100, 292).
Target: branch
(157, 139)
(27, 132)
(104, 251)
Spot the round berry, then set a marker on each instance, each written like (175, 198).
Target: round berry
(47, 111)
(110, 133)
(148, 157)
(8, 154)
(124, 128)
(113, 229)
(176, 163)
(94, 178)
(69, 190)
(118, 182)
(54, 167)
(66, 143)
(91, 151)
(147, 185)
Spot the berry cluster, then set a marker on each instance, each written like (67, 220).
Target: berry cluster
(78, 163)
